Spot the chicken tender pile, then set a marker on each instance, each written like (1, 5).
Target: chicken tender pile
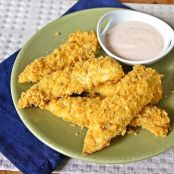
(94, 92)
(80, 46)
(84, 76)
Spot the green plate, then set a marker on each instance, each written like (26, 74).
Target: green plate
(57, 133)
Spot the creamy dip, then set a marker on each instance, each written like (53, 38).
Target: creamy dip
(134, 40)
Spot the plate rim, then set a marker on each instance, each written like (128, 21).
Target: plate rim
(59, 149)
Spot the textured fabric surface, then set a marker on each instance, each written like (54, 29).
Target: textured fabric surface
(16, 142)
(84, 4)
(17, 23)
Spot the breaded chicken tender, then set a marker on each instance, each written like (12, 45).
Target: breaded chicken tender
(80, 111)
(153, 119)
(109, 89)
(84, 76)
(134, 91)
(77, 110)
(80, 46)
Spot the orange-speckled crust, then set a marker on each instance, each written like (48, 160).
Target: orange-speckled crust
(134, 91)
(84, 76)
(110, 89)
(80, 46)
(153, 119)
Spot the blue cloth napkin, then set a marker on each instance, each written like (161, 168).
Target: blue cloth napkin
(17, 143)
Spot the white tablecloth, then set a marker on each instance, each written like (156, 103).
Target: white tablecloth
(19, 19)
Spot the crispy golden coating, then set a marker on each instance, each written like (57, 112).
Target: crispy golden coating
(77, 110)
(153, 119)
(109, 89)
(80, 111)
(80, 46)
(134, 91)
(87, 40)
(84, 76)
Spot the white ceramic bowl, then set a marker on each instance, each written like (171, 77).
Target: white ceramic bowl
(115, 17)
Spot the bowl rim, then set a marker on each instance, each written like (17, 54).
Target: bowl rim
(162, 54)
